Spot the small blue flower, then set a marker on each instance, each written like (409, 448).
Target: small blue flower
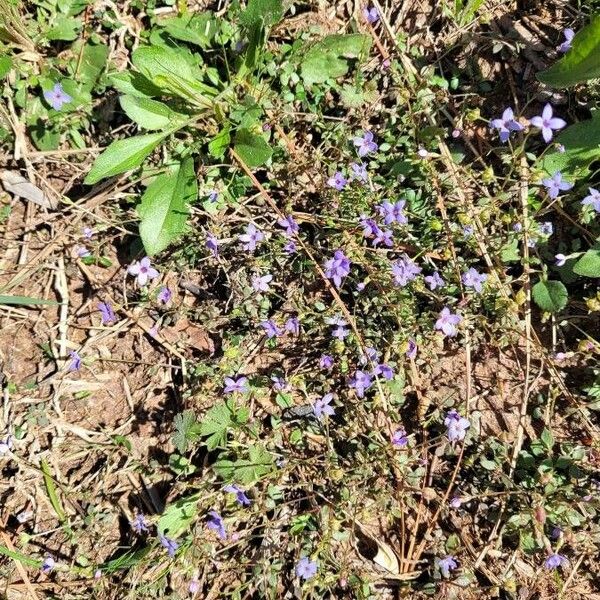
(215, 522)
(57, 97)
(240, 495)
(306, 568)
(446, 565)
(169, 545)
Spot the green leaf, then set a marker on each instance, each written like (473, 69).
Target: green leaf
(187, 430)
(94, 58)
(178, 516)
(126, 561)
(580, 63)
(215, 424)
(327, 59)
(164, 207)
(195, 28)
(267, 12)
(51, 489)
(550, 296)
(22, 558)
(65, 29)
(134, 84)
(148, 113)
(510, 252)
(5, 65)
(219, 144)
(25, 301)
(589, 264)
(581, 142)
(124, 155)
(247, 471)
(253, 149)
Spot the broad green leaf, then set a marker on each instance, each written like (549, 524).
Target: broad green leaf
(5, 65)
(215, 424)
(267, 12)
(246, 471)
(581, 142)
(65, 29)
(25, 301)
(94, 58)
(148, 113)
(219, 144)
(581, 63)
(134, 84)
(195, 28)
(124, 155)
(178, 516)
(589, 264)
(252, 148)
(165, 207)
(550, 296)
(327, 59)
(187, 430)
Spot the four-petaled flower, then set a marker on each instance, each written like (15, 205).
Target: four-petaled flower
(506, 124)
(361, 382)
(322, 406)
(365, 144)
(212, 243)
(560, 260)
(404, 270)
(546, 228)
(359, 171)
(139, 523)
(107, 313)
(326, 362)
(337, 268)
(260, 283)
(143, 271)
(383, 370)
(370, 15)
(457, 426)
(251, 238)
(434, 281)
(566, 45)
(446, 565)
(399, 438)
(271, 328)
(75, 361)
(593, 199)
(393, 213)
(164, 295)
(547, 123)
(306, 568)
(289, 224)
(240, 495)
(411, 350)
(555, 560)
(555, 185)
(370, 227)
(384, 236)
(56, 97)
(168, 544)
(215, 522)
(239, 385)
(337, 181)
(447, 322)
(340, 332)
(472, 278)
(48, 564)
(292, 325)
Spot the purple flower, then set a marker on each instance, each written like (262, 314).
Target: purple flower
(592, 199)
(384, 236)
(546, 228)
(457, 426)
(370, 355)
(468, 231)
(271, 328)
(547, 123)
(337, 268)
(404, 270)
(555, 560)
(321, 406)
(88, 233)
(506, 124)
(239, 385)
(251, 238)
(560, 260)
(517, 227)
(213, 196)
(280, 384)
(383, 370)
(75, 361)
(340, 332)
(48, 564)
(337, 181)
(194, 586)
(139, 523)
(434, 281)
(290, 247)
(143, 271)
(82, 252)
(361, 382)
(5, 446)
(359, 172)
(447, 322)
(446, 565)
(566, 45)
(370, 227)
(164, 295)
(455, 502)
(399, 438)
(215, 522)
(212, 243)
(472, 278)
(168, 544)
(292, 325)
(108, 316)
(370, 15)
(306, 568)
(393, 213)
(240, 495)
(56, 97)
(411, 350)
(422, 152)
(290, 226)
(326, 362)
(555, 185)
(365, 144)
(261, 283)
